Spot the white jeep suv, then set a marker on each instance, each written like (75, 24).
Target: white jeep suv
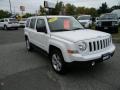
(65, 40)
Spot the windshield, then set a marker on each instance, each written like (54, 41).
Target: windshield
(57, 24)
(108, 16)
(84, 18)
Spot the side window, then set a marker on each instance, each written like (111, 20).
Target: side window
(41, 26)
(1, 20)
(27, 23)
(32, 23)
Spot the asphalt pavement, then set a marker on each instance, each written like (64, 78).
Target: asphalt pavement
(23, 70)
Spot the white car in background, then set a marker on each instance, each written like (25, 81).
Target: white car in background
(22, 22)
(8, 23)
(85, 20)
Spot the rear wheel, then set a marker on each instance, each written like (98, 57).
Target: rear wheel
(116, 30)
(57, 61)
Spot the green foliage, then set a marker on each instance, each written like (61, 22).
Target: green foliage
(89, 11)
(42, 10)
(103, 9)
(27, 15)
(4, 14)
(70, 9)
(58, 8)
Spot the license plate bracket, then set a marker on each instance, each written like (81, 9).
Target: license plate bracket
(105, 27)
(106, 56)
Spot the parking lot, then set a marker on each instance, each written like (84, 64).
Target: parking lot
(23, 70)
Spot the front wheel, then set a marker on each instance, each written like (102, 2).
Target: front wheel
(57, 61)
(28, 45)
(5, 27)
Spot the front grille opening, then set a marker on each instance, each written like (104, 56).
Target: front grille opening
(106, 42)
(98, 46)
(90, 46)
(94, 46)
(101, 44)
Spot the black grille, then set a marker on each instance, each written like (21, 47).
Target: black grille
(107, 23)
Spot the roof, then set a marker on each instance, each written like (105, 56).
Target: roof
(50, 16)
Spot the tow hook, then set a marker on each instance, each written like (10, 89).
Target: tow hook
(93, 63)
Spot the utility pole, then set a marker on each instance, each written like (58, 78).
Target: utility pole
(10, 7)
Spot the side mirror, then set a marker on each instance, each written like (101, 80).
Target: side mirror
(41, 29)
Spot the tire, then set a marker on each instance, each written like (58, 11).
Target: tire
(5, 27)
(57, 61)
(16, 28)
(28, 45)
(96, 28)
(116, 30)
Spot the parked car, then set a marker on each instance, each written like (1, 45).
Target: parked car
(22, 22)
(85, 20)
(117, 11)
(8, 23)
(108, 23)
(65, 40)
(1, 24)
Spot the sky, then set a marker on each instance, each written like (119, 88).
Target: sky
(33, 5)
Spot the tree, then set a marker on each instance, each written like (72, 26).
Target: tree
(115, 7)
(58, 8)
(103, 9)
(70, 9)
(42, 10)
(4, 14)
(27, 15)
(89, 11)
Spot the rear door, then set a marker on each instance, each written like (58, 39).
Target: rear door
(32, 31)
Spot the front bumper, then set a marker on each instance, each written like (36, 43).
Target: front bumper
(95, 56)
(107, 28)
(13, 25)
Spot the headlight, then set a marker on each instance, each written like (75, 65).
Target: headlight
(99, 23)
(114, 23)
(82, 46)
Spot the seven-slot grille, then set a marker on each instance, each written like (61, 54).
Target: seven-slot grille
(107, 23)
(99, 44)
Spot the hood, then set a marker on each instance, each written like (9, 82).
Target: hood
(78, 35)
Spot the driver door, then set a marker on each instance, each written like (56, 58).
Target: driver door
(42, 37)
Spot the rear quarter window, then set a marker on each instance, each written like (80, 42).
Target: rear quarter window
(32, 23)
(27, 23)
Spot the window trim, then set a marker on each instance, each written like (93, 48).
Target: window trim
(44, 22)
(34, 24)
(28, 23)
